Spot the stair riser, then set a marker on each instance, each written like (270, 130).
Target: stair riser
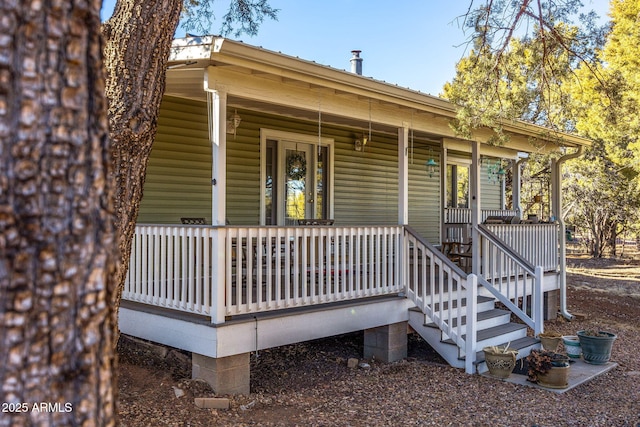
(500, 339)
(487, 323)
(483, 306)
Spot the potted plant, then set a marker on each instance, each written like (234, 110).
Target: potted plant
(550, 340)
(596, 346)
(548, 369)
(572, 346)
(500, 360)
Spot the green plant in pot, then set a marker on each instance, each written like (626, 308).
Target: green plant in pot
(500, 360)
(548, 368)
(596, 345)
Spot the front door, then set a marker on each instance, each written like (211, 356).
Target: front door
(296, 178)
(298, 184)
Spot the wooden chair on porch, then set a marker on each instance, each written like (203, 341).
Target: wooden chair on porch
(193, 221)
(458, 252)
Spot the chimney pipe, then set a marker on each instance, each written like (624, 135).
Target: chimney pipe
(356, 62)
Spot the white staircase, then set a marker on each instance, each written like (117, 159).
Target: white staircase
(441, 291)
(493, 327)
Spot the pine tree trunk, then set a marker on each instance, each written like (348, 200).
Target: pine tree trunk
(138, 41)
(57, 236)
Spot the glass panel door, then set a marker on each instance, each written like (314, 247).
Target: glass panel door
(298, 190)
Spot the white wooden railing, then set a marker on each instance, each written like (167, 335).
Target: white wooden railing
(536, 243)
(260, 268)
(463, 215)
(171, 267)
(271, 268)
(514, 281)
(438, 287)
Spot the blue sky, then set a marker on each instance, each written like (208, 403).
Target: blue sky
(411, 43)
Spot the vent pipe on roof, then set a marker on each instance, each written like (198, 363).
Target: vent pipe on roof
(356, 62)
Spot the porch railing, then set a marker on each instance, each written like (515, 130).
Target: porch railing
(513, 280)
(260, 268)
(171, 267)
(441, 291)
(463, 215)
(536, 243)
(271, 268)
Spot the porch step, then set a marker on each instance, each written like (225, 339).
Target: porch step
(493, 328)
(483, 302)
(497, 335)
(523, 345)
(485, 318)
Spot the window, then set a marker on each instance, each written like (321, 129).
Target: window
(457, 186)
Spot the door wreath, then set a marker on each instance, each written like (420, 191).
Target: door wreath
(297, 166)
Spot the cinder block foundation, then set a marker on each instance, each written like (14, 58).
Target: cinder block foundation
(551, 304)
(386, 343)
(226, 375)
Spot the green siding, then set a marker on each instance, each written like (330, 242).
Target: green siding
(489, 189)
(424, 194)
(178, 181)
(365, 183)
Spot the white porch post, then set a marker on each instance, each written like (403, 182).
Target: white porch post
(515, 186)
(443, 188)
(475, 206)
(217, 118)
(403, 176)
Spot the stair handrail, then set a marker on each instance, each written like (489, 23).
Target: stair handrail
(421, 290)
(495, 251)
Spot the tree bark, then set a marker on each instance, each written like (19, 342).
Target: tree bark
(57, 237)
(138, 41)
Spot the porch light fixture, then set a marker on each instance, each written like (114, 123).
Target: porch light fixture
(233, 123)
(359, 144)
(431, 165)
(495, 171)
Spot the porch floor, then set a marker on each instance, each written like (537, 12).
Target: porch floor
(580, 373)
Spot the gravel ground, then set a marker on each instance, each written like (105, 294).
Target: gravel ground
(309, 384)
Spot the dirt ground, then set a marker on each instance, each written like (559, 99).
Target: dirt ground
(310, 384)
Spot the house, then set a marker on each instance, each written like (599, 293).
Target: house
(287, 201)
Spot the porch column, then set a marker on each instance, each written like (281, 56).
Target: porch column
(217, 121)
(217, 104)
(403, 176)
(474, 180)
(515, 185)
(443, 188)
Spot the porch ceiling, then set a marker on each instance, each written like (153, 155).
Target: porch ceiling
(187, 82)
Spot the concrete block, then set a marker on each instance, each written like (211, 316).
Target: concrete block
(386, 343)
(226, 375)
(212, 402)
(551, 304)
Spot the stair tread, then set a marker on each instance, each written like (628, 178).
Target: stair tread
(482, 315)
(515, 344)
(494, 331)
(479, 300)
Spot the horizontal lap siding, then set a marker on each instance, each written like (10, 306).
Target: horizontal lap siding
(366, 182)
(243, 171)
(178, 181)
(424, 193)
(490, 189)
